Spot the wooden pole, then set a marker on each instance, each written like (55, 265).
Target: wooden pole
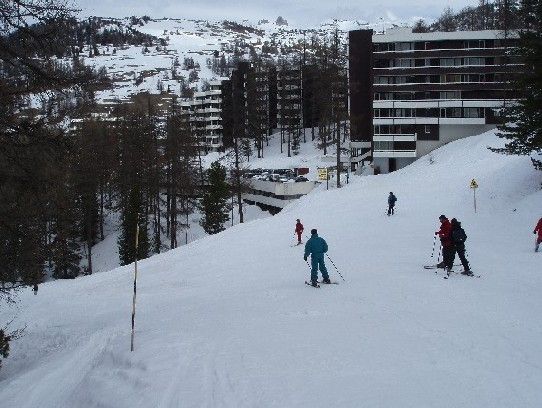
(135, 284)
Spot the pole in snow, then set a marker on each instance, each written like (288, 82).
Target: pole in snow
(135, 283)
(434, 242)
(474, 186)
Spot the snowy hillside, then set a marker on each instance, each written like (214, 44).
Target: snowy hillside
(135, 69)
(226, 321)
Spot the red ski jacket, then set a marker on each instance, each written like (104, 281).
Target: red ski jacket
(538, 228)
(445, 233)
(298, 228)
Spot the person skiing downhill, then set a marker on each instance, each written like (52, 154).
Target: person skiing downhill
(538, 229)
(391, 203)
(458, 238)
(298, 231)
(448, 250)
(316, 247)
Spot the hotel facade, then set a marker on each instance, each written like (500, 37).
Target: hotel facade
(411, 93)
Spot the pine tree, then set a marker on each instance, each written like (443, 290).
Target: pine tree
(134, 183)
(523, 127)
(214, 204)
(132, 218)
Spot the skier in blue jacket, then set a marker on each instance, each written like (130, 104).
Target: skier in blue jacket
(316, 247)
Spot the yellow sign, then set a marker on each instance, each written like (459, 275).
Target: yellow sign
(322, 174)
(473, 184)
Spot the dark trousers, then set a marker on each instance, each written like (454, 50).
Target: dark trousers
(448, 256)
(390, 209)
(460, 249)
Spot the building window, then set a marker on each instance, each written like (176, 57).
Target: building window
(383, 145)
(450, 62)
(382, 79)
(473, 113)
(475, 44)
(450, 95)
(403, 62)
(451, 78)
(475, 61)
(404, 46)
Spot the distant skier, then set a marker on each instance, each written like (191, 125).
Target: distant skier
(458, 238)
(391, 203)
(538, 229)
(298, 231)
(316, 247)
(448, 250)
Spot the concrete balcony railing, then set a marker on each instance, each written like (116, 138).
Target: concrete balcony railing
(411, 137)
(394, 153)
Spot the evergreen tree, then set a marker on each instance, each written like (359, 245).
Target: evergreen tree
(134, 183)
(132, 218)
(214, 203)
(523, 127)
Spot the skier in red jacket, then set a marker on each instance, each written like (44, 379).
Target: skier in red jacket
(538, 229)
(299, 231)
(448, 249)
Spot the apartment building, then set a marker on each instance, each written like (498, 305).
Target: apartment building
(249, 103)
(411, 93)
(303, 92)
(204, 111)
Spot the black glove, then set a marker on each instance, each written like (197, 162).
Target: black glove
(305, 257)
(534, 232)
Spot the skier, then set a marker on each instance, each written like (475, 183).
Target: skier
(538, 229)
(448, 250)
(298, 231)
(391, 203)
(316, 247)
(458, 238)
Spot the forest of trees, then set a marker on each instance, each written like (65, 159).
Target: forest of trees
(487, 15)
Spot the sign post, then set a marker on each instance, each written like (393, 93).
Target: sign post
(323, 175)
(474, 186)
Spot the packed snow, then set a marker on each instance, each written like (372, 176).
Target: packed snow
(226, 320)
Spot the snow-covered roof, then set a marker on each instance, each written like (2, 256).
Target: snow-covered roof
(405, 34)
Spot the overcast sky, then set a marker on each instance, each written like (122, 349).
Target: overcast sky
(298, 12)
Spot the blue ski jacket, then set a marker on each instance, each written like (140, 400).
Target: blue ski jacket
(315, 245)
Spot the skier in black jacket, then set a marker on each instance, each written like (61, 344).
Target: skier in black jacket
(458, 238)
(391, 203)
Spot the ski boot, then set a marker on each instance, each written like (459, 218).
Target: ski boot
(326, 281)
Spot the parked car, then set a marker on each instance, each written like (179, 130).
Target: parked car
(299, 179)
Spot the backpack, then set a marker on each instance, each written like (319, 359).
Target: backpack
(459, 236)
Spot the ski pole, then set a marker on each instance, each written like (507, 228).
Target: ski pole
(434, 243)
(439, 251)
(335, 267)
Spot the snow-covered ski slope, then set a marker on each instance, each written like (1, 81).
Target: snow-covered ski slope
(228, 322)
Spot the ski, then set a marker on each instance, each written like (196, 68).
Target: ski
(436, 267)
(310, 284)
(471, 275)
(331, 283)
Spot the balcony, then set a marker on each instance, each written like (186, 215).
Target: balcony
(396, 145)
(411, 137)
